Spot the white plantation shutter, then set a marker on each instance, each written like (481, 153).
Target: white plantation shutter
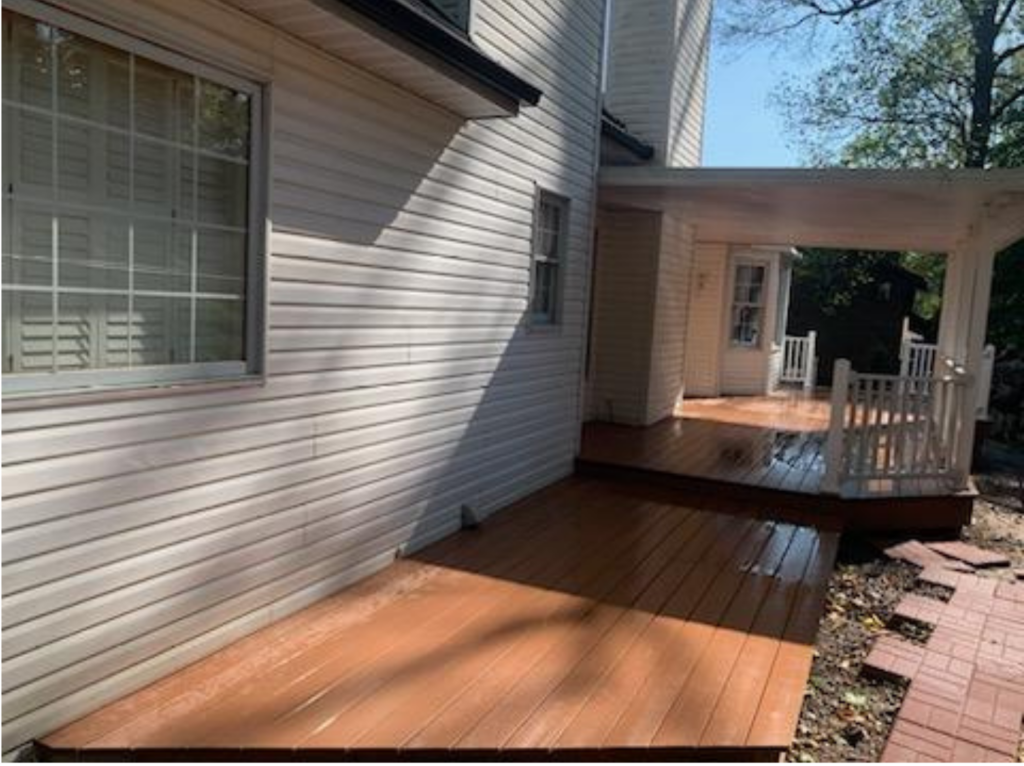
(126, 212)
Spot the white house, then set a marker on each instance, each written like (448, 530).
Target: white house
(268, 270)
(289, 285)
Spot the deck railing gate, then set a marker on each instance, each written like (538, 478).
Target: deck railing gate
(799, 360)
(895, 427)
(917, 360)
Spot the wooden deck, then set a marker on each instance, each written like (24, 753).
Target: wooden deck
(582, 622)
(767, 451)
(733, 453)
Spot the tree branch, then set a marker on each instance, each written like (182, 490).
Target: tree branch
(1009, 53)
(1005, 104)
(1005, 15)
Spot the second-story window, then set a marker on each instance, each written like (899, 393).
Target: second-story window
(549, 243)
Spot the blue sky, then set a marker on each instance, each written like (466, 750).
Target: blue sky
(741, 128)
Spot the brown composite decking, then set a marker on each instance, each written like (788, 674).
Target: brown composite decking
(767, 450)
(729, 452)
(581, 621)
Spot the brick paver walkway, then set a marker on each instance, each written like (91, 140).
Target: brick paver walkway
(966, 695)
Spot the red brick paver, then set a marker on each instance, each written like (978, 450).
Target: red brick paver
(921, 555)
(966, 696)
(972, 554)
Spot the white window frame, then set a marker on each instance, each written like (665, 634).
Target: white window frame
(17, 386)
(554, 319)
(737, 264)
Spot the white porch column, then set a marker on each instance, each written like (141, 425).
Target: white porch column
(962, 335)
(951, 340)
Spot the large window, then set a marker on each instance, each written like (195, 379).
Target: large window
(548, 258)
(128, 248)
(747, 316)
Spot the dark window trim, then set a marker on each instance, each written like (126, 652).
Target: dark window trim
(442, 40)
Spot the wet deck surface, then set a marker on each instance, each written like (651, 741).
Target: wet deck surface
(767, 442)
(773, 443)
(581, 619)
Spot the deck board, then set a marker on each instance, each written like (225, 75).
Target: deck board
(774, 443)
(584, 618)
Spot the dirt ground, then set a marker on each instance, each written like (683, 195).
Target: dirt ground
(846, 716)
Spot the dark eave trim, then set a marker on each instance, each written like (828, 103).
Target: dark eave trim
(442, 41)
(624, 138)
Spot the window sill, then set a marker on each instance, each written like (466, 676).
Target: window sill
(98, 395)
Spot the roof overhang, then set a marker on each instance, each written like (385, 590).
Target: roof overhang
(615, 131)
(403, 43)
(930, 210)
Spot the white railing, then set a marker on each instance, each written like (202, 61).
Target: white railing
(917, 360)
(893, 427)
(799, 363)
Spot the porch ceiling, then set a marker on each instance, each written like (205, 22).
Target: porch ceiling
(873, 209)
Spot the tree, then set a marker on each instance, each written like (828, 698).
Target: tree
(921, 83)
(911, 83)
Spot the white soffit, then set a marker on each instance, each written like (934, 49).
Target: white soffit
(930, 210)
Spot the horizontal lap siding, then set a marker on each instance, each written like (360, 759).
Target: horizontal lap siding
(624, 304)
(668, 344)
(689, 83)
(141, 534)
(705, 328)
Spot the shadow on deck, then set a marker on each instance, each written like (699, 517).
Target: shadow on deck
(580, 623)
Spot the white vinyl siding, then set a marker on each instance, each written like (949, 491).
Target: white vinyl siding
(141, 533)
(705, 339)
(657, 74)
(627, 260)
(127, 194)
(671, 311)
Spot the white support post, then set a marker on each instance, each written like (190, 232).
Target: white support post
(834, 443)
(978, 255)
(988, 360)
(904, 356)
(810, 361)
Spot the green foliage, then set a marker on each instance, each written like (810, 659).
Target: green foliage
(906, 83)
(1006, 314)
(931, 268)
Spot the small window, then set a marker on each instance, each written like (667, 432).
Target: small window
(548, 258)
(128, 213)
(747, 315)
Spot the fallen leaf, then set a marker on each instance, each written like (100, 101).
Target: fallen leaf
(855, 698)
